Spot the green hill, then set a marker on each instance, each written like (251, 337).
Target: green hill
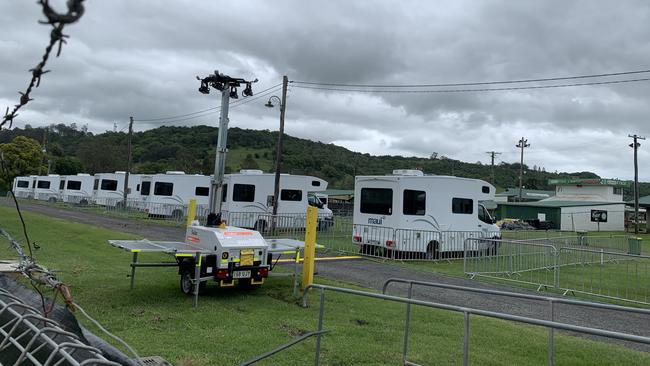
(191, 149)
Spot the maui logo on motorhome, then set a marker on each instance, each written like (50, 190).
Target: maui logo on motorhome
(374, 221)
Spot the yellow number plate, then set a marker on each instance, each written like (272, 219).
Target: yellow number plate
(246, 257)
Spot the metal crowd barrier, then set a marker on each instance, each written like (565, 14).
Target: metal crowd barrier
(551, 304)
(29, 338)
(466, 321)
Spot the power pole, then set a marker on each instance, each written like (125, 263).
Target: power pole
(43, 151)
(523, 143)
(635, 145)
(278, 153)
(128, 161)
(228, 87)
(492, 155)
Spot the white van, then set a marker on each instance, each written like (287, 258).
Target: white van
(169, 194)
(108, 188)
(48, 188)
(248, 200)
(416, 213)
(24, 186)
(77, 189)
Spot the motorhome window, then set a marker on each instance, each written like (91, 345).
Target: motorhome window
(243, 193)
(23, 184)
(618, 190)
(163, 189)
(61, 185)
(202, 191)
(224, 193)
(96, 184)
(315, 183)
(43, 184)
(377, 201)
(146, 188)
(462, 206)
(108, 185)
(415, 202)
(74, 185)
(483, 215)
(485, 189)
(291, 195)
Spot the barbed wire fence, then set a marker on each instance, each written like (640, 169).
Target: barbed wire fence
(58, 22)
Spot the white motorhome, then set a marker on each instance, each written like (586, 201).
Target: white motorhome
(108, 188)
(169, 194)
(77, 189)
(24, 186)
(248, 200)
(48, 188)
(415, 213)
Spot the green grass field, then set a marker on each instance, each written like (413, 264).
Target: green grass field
(231, 325)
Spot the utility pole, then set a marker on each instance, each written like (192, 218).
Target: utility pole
(492, 155)
(43, 151)
(523, 143)
(128, 161)
(228, 87)
(635, 145)
(278, 153)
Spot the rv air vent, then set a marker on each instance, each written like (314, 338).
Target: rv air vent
(175, 172)
(408, 172)
(251, 171)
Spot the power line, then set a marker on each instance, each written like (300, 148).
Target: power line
(472, 90)
(215, 109)
(475, 83)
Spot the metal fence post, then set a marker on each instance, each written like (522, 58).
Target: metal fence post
(134, 263)
(550, 347)
(407, 321)
(320, 325)
(197, 277)
(466, 339)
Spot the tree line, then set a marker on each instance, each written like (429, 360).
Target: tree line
(71, 149)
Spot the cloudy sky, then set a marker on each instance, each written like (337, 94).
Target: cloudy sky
(140, 58)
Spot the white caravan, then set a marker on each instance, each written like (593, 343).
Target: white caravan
(48, 188)
(248, 200)
(77, 189)
(108, 188)
(409, 212)
(169, 194)
(24, 186)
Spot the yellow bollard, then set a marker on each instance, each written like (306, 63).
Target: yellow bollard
(191, 212)
(310, 247)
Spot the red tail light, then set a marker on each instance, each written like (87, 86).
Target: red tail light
(389, 243)
(263, 272)
(356, 239)
(222, 274)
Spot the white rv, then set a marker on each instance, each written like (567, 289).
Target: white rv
(24, 186)
(77, 189)
(248, 200)
(169, 194)
(409, 212)
(108, 188)
(48, 188)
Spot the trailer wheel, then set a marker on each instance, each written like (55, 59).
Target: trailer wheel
(260, 226)
(494, 249)
(177, 214)
(433, 251)
(187, 275)
(245, 283)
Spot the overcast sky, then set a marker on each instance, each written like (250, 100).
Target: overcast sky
(140, 58)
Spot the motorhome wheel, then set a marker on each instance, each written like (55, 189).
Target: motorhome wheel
(177, 214)
(260, 226)
(433, 250)
(51, 200)
(83, 202)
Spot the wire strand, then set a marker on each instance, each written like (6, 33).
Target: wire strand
(473, 90)
(475, 83)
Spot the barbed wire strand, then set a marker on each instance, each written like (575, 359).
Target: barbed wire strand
(58, 22)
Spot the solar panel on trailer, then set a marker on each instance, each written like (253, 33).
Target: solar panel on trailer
(154, 246)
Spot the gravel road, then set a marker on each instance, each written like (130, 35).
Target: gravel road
(373, 274)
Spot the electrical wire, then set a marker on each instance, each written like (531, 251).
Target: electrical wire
(118, 339)
(193, 113)
(473, 90)
(475, 83)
